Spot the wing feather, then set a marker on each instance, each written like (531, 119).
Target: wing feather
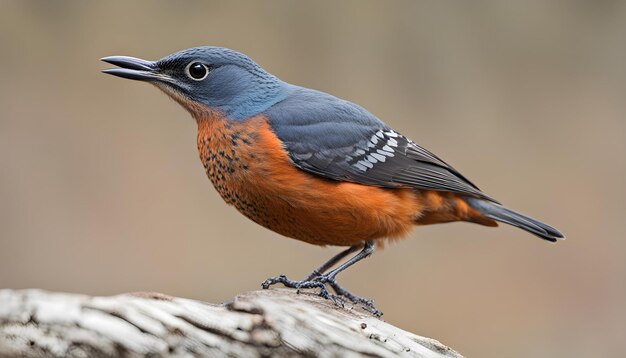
(339, 140)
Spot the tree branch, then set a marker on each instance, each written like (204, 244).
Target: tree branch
(278, 323)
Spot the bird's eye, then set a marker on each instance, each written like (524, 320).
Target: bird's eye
(197, 71)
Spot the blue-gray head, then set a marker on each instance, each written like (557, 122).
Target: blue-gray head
(207, 78)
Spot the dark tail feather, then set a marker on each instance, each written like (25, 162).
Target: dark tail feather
(499, 213)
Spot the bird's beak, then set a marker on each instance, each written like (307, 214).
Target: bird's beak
(133, 68)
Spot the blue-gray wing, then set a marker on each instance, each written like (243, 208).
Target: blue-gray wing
(340, 140)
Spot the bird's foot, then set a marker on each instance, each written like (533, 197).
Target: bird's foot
(367, 304)
(320, 281)
(296, 284)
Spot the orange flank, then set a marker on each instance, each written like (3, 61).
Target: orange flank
(251, 170)
(442, 207)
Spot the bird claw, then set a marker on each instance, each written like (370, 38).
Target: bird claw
(320, 281)
(274, 280)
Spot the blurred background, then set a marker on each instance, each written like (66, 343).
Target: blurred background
(102, 192)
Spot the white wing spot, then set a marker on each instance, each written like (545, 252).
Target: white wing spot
(371, 159)
(375, 151)
(379, 157)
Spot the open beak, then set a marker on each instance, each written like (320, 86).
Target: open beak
(133, 68)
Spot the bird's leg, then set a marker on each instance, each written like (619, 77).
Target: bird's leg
(368, 249)
(317, 279)
(333, 260)
(308, 281)
(331, 279)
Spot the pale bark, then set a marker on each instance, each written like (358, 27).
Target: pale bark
(278, 323)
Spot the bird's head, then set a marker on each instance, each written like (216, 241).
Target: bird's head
(207, 80)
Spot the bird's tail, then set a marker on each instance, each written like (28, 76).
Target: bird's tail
(499, 213)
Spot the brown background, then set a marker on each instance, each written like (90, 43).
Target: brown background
(101, 190)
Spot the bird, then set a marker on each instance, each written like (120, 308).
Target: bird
(311, 166)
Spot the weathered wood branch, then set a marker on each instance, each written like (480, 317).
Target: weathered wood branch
(280, 323)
